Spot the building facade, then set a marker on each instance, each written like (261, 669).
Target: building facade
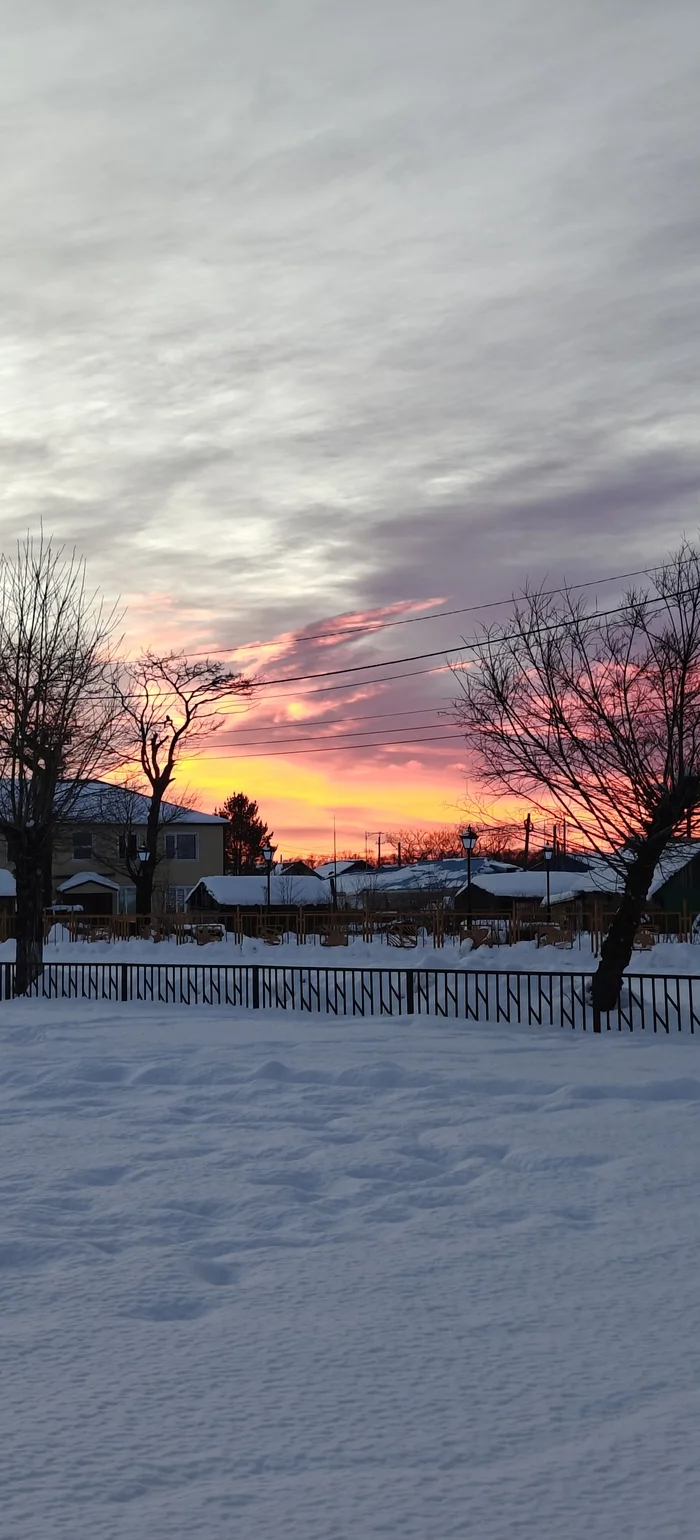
(102, 839)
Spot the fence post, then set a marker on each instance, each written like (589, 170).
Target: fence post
(8, 981)
(410, 1003)
(256, 987)
(125, 981)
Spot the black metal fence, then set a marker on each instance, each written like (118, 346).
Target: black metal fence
(649, 1002)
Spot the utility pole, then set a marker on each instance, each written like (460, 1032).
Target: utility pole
(528, 826)
(334, 884)
(398, 853)
(379, 851)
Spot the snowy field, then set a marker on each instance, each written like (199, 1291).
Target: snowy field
(308, 1280)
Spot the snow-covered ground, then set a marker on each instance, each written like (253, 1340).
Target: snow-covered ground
(334, 1281)
(667, 957)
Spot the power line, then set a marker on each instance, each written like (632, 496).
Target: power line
(443, 652)
(327, 689)
(356, 668)
(328, 737)
(412, 620)
(367, 716)
(467, 645)
(343, 748)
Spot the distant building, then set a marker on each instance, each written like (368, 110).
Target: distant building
(342, 868)
(413, 887)
(224, 895)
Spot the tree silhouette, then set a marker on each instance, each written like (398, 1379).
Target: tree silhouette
(245, 834)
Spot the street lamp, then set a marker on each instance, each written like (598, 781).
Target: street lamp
(469, 838)
(268, 853)
(547, 854)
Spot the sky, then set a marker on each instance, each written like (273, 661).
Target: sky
(315, 314)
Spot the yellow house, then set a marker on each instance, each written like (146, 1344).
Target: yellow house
(101, 839)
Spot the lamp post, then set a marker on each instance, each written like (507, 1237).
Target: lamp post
(469, 838)
(143, 860)
(547, 854)
(268, 853)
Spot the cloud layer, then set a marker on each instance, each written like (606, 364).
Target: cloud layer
(312, 308)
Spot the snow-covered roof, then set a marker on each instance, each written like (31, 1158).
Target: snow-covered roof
(100, 802)
(8, 886)
(508, 885)
(233, 892)
(602, 877)
(81, 878)
(328, 868)
(424, 876)
(674, 858)
(608, 878)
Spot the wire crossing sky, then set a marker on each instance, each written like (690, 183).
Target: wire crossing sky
(318, 315)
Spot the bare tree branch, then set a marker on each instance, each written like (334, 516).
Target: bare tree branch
(169, 702)
(597, 717)
(59, 711)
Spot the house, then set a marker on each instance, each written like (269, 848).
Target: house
(8, 892)
(225, 895)
(410, 887)
(675, 886)
(90, 892)
(101, 840)
(342, 868)
(522, 893)
(562, 861)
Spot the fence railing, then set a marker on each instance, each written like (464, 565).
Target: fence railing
(392, 927)
(647, 1002)
(400, 927)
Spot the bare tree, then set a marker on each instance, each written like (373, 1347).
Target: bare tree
(596, 716)
(59, 711)
(425, 844)
(169, 702)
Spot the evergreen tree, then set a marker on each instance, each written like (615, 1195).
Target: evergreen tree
(245, 834)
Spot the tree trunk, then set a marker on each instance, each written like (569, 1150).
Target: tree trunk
(144, 887)
(47, 874)
(147, 869)
(617, 947)
(27, 857)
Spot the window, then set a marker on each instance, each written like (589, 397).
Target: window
(180, 847)
(127, 900)
(175, 900)
(82, 846)
(128, 845)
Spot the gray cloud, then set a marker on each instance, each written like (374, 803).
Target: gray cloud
(309, 307)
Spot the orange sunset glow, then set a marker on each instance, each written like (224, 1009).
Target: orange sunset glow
(355, 736)
(299, 799)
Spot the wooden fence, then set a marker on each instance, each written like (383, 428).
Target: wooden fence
(434, 927)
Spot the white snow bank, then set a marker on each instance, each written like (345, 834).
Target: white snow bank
(306, 1279)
